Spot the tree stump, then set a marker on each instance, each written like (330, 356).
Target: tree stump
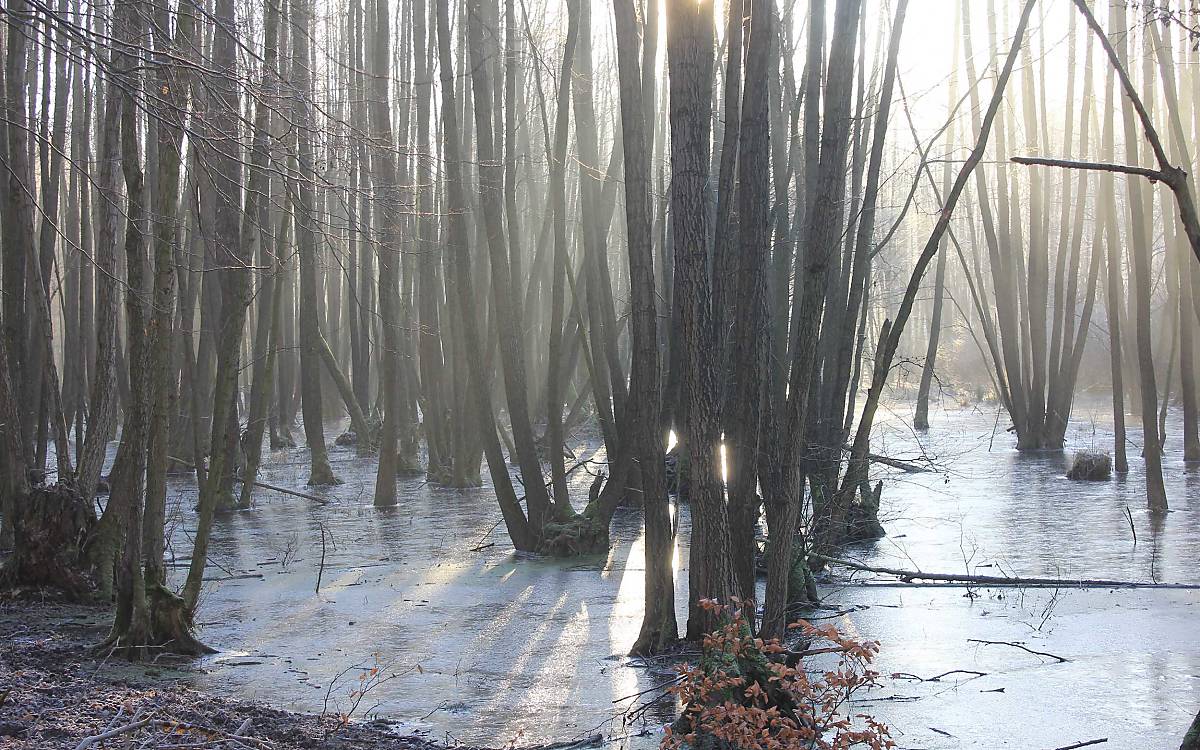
(1090, 467)
(50, 526)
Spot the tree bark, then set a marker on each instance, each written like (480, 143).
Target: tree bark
(659, 628)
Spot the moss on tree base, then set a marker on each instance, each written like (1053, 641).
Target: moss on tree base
(580, 535)
(165, 626)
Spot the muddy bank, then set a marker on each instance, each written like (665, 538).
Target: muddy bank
(54, 693)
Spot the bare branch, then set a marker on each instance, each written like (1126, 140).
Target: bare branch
(1154, 175)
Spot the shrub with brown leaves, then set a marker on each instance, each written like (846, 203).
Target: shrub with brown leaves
(753, 694)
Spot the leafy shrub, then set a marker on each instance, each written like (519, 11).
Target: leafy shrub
(753, 694)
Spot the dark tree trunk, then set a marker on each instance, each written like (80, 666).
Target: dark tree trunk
(749, 332)
(659, 628)
(690, 60)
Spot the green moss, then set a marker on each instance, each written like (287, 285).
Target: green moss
(581, 535)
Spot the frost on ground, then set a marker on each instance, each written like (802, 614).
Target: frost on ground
(54, 693)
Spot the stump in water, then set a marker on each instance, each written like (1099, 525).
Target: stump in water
(348, 437)
(50, 526)
(1090, 467)
(584, 533)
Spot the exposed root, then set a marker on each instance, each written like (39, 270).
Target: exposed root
(167, 628)
(51, 525)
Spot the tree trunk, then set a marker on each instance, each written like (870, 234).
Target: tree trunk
(659, 628)
(303, 203)
(508, 314)
(749, 334)
(690, 61)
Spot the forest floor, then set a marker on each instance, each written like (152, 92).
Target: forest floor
(55, 692)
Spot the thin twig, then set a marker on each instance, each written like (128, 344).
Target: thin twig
(321, 569)
(1014, 644)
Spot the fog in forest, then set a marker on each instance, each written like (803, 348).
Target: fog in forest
(548, 374)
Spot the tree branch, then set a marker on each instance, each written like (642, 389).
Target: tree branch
(1153, 175)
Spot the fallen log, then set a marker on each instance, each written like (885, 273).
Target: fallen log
(1000, 581)
(1088, 743)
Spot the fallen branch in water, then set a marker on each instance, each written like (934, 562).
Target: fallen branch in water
(286, 491)
(896, 463)
(997, 581)
(264, 485)
(1014, 644)
(235, 577)
(1078, 745)
(937, 678)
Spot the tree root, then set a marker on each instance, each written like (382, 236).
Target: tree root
(166, 629)
(51, 525)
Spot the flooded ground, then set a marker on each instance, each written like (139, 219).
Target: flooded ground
(489, 647)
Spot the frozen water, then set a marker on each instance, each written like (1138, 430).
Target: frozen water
(492, 647)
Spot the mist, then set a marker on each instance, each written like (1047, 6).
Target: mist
(676, 331)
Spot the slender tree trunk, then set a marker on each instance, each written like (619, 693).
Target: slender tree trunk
(508, 319)
(1139, 249)
(304, 206)
(383, 163)
(750, 336)
(555, 379)
(258, 234)
(823, 235)
(175, 80)
(225, 175)
(690, 60)
(659, 628)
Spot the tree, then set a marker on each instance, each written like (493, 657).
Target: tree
(690, 61)
(658, 628)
